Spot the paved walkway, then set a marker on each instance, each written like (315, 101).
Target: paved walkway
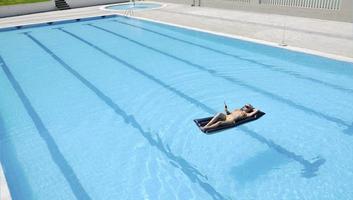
(328, 38)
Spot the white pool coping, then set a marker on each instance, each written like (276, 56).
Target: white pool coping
(150, 15)
(296, 49)
(4, 189)
(106, 7)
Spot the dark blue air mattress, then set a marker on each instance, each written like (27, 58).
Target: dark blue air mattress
(203, 121)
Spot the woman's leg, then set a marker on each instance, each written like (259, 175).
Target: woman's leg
(215, 119)
(219, 123)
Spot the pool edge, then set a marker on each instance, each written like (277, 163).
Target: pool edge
(4, 189)
(248, 39)
(112, 13)
(55, 22)
(105, 7)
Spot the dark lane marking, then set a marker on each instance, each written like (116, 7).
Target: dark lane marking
(260, 24)
(44, 133)
(14, 172)
(192, 173)
(230, 79)
(349, 130)
(262, 65)
(309, 170)
(310, 167)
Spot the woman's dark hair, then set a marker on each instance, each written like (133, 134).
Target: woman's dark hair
(249, 107)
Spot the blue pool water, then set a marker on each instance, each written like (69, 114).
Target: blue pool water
(136, 6)
(103, 109)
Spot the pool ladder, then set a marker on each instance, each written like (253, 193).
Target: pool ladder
(194, 3)
(130, 12)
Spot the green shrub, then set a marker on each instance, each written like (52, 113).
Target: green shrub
(12, 2)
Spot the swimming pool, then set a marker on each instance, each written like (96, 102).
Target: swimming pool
(103, 109)
(134, 6)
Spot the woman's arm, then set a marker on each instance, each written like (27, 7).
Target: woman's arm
(252, 113)
(226, 109)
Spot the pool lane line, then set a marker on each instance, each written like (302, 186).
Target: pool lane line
(192, 173)
(262, 65)
(44, 133)
(310, 168)
(230, 79)
(11, 164)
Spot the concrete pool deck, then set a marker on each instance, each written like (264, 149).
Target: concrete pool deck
(321, 37)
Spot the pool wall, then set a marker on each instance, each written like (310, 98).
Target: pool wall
(54, 23)
(4, 190)
(248, 39)
(341, 10)
(202, 30)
